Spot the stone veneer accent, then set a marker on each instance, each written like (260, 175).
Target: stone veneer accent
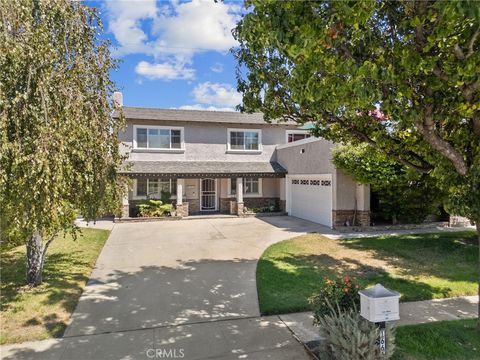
(261, 202)
(224, 205)
(248, 203)
(125, 211)
(340, 217)
(283, 205)
(233, 207)
(240, 208)
(194, 206)
(459, 221)
(182, 210)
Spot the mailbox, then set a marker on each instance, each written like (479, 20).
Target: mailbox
(379, 304)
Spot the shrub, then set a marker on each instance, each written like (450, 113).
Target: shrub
(165, 197)
(154, 208)
(346, 335)
(342, 292)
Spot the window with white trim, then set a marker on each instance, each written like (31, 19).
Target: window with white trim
(244, 140)
(251, 186)
(158, 138)
(153, 188)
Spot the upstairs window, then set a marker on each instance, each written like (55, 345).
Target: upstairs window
(158, 138)
(244, 140)
(295, 135)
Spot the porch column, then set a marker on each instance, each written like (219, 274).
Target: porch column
(181, 207)
(180, 184)
(362, 197)
(282, 189)
(125, 204)
(239, 196)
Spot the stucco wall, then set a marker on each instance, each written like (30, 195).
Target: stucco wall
(315, 157)
(206, 141)
(346, 189)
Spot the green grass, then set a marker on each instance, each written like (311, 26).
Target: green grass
(423, 266)
(44, 312)
(441, 340)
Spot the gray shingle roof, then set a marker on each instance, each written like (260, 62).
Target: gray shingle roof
(194, 116)
(199, 168)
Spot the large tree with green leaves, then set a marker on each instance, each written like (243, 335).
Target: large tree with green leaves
(58, 141)
(420, 195)
(402, 76)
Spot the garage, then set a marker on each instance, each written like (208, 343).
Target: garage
(309, 197)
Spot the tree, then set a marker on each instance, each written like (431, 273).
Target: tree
(59, 147)
(387, 178)
(402, 76)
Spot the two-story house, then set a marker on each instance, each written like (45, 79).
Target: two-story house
(227, 162)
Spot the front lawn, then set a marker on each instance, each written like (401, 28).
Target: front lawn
(441, 340)
(45, 311)
(423, 266)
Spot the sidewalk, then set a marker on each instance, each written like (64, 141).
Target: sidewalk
(414, 312)
(256, 338)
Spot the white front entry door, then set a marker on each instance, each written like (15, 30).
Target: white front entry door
(309, 197)
(208, 194)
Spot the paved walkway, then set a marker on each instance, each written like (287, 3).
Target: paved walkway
(414, 312)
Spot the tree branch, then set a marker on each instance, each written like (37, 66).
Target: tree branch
(424, 168)
(470, 89)
(471, 44)
(440, 74)
(476, 123)
(427, 129)
(457, 50)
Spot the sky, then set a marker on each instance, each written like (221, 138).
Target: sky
(173, 54)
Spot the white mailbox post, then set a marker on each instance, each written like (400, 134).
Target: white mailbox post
(378, 305)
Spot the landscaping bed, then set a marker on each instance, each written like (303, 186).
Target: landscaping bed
(420, 267)
(44, 312)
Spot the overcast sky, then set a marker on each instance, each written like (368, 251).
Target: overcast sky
(174, 54)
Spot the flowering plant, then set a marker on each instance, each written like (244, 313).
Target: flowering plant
(343, 292)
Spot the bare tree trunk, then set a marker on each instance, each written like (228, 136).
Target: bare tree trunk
(36, 250)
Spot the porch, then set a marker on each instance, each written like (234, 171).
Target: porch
(225, 188)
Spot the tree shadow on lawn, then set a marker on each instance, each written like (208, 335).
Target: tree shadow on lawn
(285, 285)
(449, 256)
(63, 277)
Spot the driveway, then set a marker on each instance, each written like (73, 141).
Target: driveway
(182, 285)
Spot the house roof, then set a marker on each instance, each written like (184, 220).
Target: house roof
(194, 169)
(141, 113)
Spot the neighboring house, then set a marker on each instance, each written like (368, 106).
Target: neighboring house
(230, 162)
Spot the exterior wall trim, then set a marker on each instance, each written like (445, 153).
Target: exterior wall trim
(234, 151)
(293, 132)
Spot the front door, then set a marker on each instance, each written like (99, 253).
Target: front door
(209, 194)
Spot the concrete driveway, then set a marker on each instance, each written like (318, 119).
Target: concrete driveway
(182, 285)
